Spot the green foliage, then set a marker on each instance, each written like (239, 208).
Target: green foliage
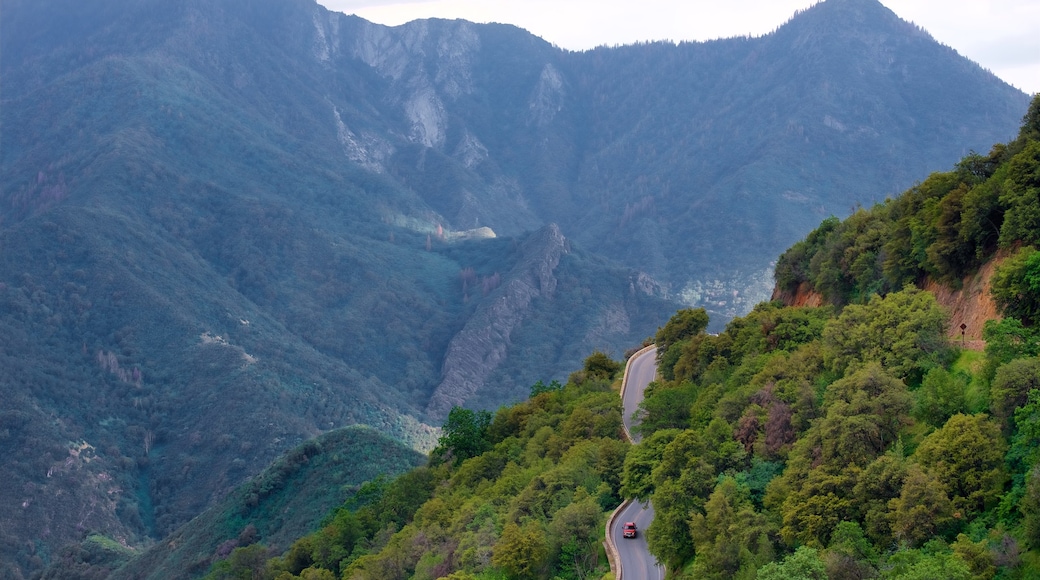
(934, 560)
(685, 324)
(941, 395)
(465, 435)
(849, 540)
(1024, 451)
(1021, 196)
(667, 408)
(922, 509)
(879, 484)
(637, 476)
(291, 498)
(599, 367)
(539, 387)
(944, 228)
(905, 332)
(731, 538)
(246, 563)
(865, 412)
(522, 552)
(1030, 506)
(1015, 285)
(794, 265)
(980, 561)
(803, 564)
(93, 558)
(1011, 387)
(967, 456)
(531, 505)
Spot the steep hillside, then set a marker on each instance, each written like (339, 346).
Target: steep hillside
(950, 230)
(227, 227)
(522, 493)
(288, 499)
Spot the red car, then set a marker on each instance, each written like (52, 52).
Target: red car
(629, 530)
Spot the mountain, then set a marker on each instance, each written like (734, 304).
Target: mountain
(227, 227)
(288, 499)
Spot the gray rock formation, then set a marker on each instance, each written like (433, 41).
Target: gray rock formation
(483, 342)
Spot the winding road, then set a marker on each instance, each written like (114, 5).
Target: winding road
(636, 561)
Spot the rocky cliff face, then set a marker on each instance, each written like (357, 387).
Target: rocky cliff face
(971, 304)
(804, 295)
(477, 350)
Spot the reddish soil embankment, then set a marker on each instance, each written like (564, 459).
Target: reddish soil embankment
(971, 305)
(804, 295)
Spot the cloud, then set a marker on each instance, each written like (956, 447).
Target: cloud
(998, 34)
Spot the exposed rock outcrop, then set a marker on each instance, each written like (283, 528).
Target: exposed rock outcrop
(804, 295)
(970, 305)
(482, 343)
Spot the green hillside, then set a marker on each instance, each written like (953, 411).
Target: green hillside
(523, 493)
(286, 500)
(942, 229)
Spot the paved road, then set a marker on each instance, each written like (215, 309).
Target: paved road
(641, 371)
(636, 561)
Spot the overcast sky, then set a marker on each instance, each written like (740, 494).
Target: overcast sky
(1001, 35)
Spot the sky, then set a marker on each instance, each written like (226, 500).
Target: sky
(1001, 35)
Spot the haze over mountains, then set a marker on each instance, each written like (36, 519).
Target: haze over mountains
(228, 226)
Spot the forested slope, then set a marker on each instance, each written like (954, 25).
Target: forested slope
(855, 438)
(286, 500)
(522, 493)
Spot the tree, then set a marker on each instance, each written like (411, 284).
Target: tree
(793, 267)
(465, 434)
(599, 366)
(1015, 285)
(683, 478)
(922, 508)
(850, 554)
(803, 564)
(336, 541)
(730, 536)
(521, 552)
(681, 326)
(1030, 508)
(637, 479)
(934, 561)
(865, 412)
(1021, 197)
(905, 332)
(667, 407)
(1024, 451)
(815, 508)
(977, 556)
(881, 482)
(940, 397)
(967, 455)
(574, 533)
(1011, 386)
(248, 563)
(539, 387)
